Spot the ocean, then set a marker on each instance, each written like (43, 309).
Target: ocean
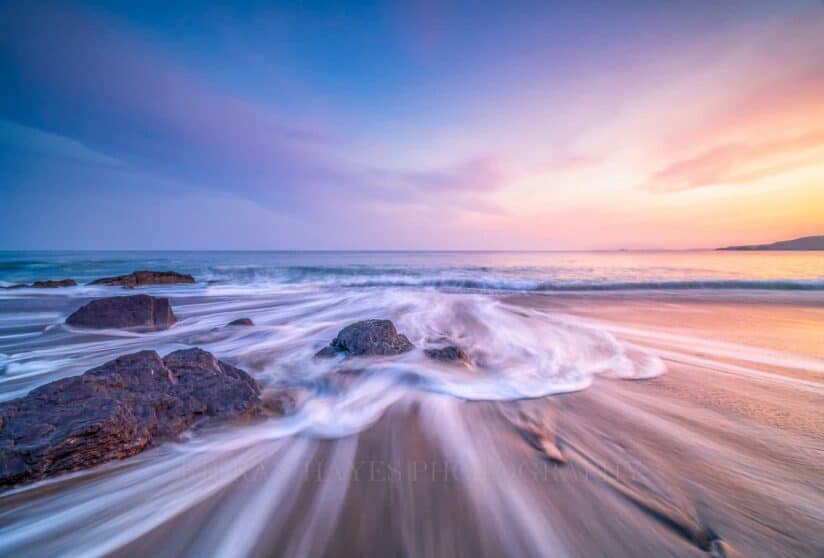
(618, 353)
(505, 271)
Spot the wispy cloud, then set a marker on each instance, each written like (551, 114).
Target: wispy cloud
(480, 174)
(120, 97)
(739, 162)
(23, 138)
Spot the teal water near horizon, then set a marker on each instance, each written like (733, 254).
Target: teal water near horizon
(507, 271)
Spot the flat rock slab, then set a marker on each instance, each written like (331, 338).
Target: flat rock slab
(141, 311)
(51, 284)
(141, 278)
(368, 338)
(117, 410)
(46, 284)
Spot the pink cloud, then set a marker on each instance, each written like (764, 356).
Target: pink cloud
(738, 162)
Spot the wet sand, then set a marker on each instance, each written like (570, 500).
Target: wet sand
(723, 455)
(698, 461)
(655, 468)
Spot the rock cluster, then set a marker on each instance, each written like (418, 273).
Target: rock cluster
(141, 278)
(117, 410)
(50, 284)
(138, 311)
(138, 400)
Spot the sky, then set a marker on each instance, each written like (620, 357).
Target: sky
(410, 125)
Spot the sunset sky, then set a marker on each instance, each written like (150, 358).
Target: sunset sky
(410, 125)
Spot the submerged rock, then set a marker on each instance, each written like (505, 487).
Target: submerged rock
(117, 410)
(140, 278)
(368, 338)
(280, 402)
(124, 311)
(241, 322)
(539, 434)
(450, 353)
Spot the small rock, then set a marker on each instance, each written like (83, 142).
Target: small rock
(124, 311)
(117, 410)
(241, 322)
(368, 338)
(141, 278)
(450, 353)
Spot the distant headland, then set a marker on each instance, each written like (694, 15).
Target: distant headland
(804, 243)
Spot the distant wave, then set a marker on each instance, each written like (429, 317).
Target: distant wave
(20, 265)
(372, 280)
(771, 285)
(369, 281)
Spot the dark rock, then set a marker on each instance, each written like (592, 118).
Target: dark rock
(140, 278)
(124, 311)
(368, 337)
(450, 353)
(117, 410)
(241, 322)
(54, 284)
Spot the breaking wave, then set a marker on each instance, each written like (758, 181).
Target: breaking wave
(521, 286)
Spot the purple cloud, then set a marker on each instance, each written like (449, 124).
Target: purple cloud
(119, 97)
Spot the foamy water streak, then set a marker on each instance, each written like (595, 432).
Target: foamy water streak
(517, 353)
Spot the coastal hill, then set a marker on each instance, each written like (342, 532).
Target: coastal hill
(804, 243)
